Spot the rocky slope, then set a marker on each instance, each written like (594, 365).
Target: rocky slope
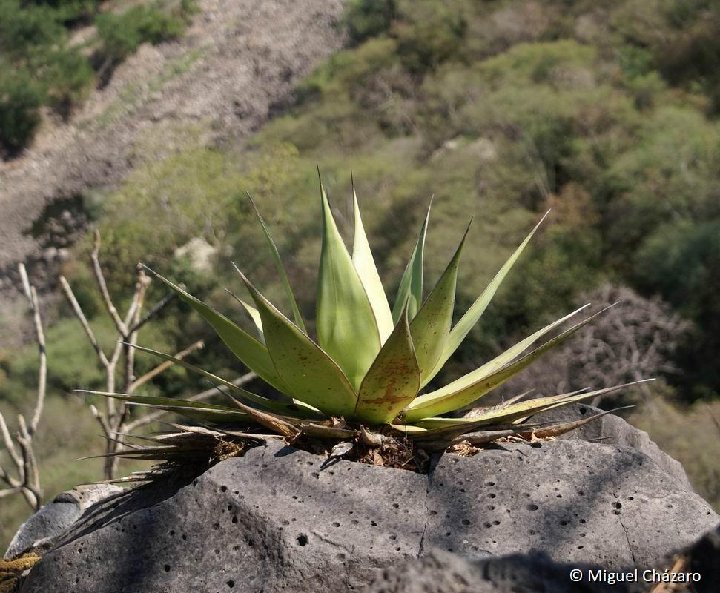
(237, 61)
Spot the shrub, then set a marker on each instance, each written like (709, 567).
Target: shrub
(20, 101)
(69, 79)
(122, 34)
(369, 18)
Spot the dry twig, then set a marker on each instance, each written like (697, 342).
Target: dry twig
(20, 450)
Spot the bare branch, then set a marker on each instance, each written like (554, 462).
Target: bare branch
(9, 444)
(163, 366)
(83, 320)
(102, 285)
(31, 295)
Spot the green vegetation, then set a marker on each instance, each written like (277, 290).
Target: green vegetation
(40, 64)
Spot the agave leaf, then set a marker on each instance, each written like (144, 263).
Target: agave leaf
(280, 268)
(312, 376)
(194, 410)
(294, 407)
(473, 314)
(252, 313)
(393, 379)
(365, 265)
(432, 323)
(509, 413)
(251, 352)
(346, 326)
(467, 389)
(410, 291)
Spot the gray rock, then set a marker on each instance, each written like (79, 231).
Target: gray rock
(275, 521)
(576, 501)
(56, 517)
(443, 572)
(613, 430)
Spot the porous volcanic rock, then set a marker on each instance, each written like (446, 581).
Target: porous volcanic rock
(444, 572)
(279, 520)
(56, 517)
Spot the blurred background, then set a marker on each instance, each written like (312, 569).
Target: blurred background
(149, 121)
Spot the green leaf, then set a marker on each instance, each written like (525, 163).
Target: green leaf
(365, 265)
(194, 410)
(346, 326)
(512, 412)
(251, 352)
(473, 314)
(431, 325)
(312, 376)
(410, 291)
(393, 379)
(281, 269)
(252, 313)
(467, 389)
(293, 408)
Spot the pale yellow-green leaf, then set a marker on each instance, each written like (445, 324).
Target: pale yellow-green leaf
(310, 374)
(473, 314)
(507, 414)
(195, 410)
(293, 407)
(345, 322)
(364, 263)
(252, 313)
(393, 379)
(431, 325)
(297, 317)
(246, 348)
(469, 388)
(410, 291)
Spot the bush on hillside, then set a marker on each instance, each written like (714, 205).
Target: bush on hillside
(369, 18)
(20, 101)
(121, 34)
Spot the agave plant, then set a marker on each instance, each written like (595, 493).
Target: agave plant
(363, 376)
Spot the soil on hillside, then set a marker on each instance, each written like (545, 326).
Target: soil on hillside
(237, 61)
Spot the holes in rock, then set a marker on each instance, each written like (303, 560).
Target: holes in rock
(496, 522)
(396, 505)
(234, 519)
(167, 568)
(564, 523)
(302, 539)
(373, 524)
(230, 583)
(532, 507)
(184, 537)
(492, 495)
(536, 445)
(336, 524)
(216, 526)
(465, 522)
(223, 488)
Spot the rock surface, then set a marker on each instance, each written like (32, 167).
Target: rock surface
(443, 572)
(57, 517)
(275, 520)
